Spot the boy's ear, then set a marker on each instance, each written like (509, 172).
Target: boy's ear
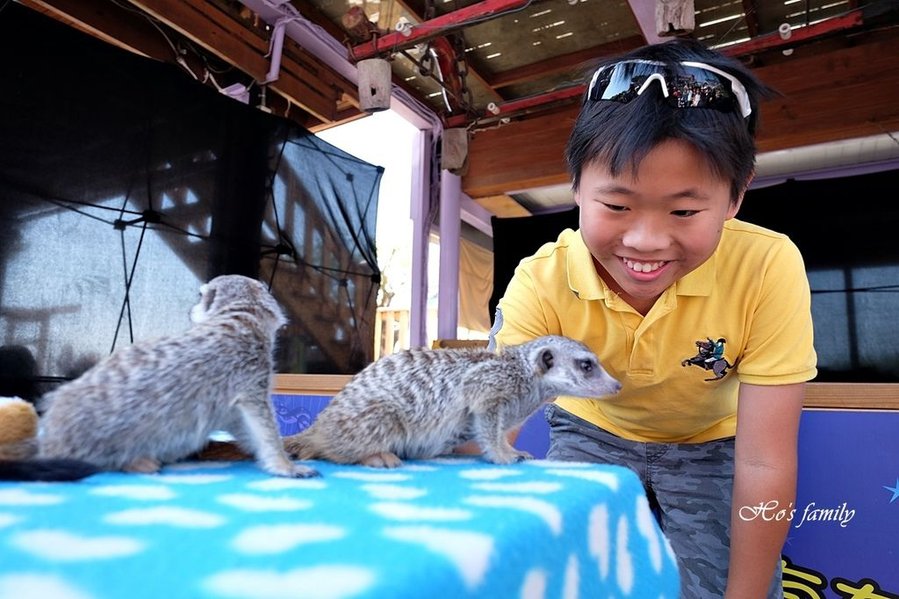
(735, 205)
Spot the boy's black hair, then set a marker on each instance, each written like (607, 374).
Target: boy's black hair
(620, 135)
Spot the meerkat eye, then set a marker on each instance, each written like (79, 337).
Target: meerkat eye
(586, 365)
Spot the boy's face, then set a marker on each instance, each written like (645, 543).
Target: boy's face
(647, 231)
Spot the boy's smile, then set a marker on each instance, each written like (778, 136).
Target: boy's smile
(648, 229)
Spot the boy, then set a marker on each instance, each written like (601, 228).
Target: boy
(704, 319)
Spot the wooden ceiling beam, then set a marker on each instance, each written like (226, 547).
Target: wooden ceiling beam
(751, 15)
(303, 79)
(564, 62)
(109, 22)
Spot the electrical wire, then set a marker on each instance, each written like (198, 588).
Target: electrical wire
(129, 279)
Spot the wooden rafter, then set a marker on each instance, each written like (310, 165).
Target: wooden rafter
(309, 84)
(563, 63)
(303, 81)
(109, 22)
(751, 16)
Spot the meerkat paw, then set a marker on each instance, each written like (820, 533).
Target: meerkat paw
(143, 465)
(300, 471)
(512, 456)
(382, 459)
(523, 455)
(288, 469)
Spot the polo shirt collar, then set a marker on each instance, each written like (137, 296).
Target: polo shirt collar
(586, 283)
(582, 277)
(701, 281)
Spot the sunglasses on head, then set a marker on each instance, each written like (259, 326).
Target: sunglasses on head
(684, 85)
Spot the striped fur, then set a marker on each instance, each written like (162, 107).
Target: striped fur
(421, 403)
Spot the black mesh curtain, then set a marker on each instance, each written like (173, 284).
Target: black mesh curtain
(517, 238)
(124, 184)
(846, 229)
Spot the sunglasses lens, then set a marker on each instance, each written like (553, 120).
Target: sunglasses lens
(623, 81)
(692, 87)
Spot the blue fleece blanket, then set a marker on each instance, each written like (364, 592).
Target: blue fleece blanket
(457, 527)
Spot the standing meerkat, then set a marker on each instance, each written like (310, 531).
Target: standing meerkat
(419, 403)
(157, 402)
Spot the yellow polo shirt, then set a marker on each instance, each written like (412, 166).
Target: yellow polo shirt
(751, 298)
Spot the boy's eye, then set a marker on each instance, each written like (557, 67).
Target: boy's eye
(684, 213)
(614, 207)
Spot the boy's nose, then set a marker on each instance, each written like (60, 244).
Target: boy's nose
(646, 236)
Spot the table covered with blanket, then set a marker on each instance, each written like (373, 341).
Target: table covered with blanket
(455, 527)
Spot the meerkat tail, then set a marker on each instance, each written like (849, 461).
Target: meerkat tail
(47, 470)
(312, 444)
(303, 446)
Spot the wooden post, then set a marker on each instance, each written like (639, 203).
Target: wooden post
(374, 84)
(675, 17)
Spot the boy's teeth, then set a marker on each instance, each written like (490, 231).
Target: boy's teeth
(643, 266)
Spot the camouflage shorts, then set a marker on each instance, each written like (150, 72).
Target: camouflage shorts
(688, 485)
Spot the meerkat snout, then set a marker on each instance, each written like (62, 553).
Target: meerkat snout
(570, 368)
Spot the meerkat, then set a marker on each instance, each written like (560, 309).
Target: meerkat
(420, 403)
(157, 402)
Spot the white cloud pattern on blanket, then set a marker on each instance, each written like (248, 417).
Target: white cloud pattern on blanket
(59, 545)
(541, 488)
(534, 585)
(544, 510)
(263, 503)
(25, 497)
(8, 519)
(38, 584)
(468, 551)
(406, 511)
(625, 570)
(598, 538)
(139, 492)
(284, 537)
(171, 516)
(489, 473)
(397, 492)
(320, 582)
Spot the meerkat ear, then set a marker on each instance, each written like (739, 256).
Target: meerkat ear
(199, 312)
(208, 297)
(546, 359)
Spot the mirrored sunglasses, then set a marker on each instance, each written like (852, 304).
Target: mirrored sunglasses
(684, 85)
